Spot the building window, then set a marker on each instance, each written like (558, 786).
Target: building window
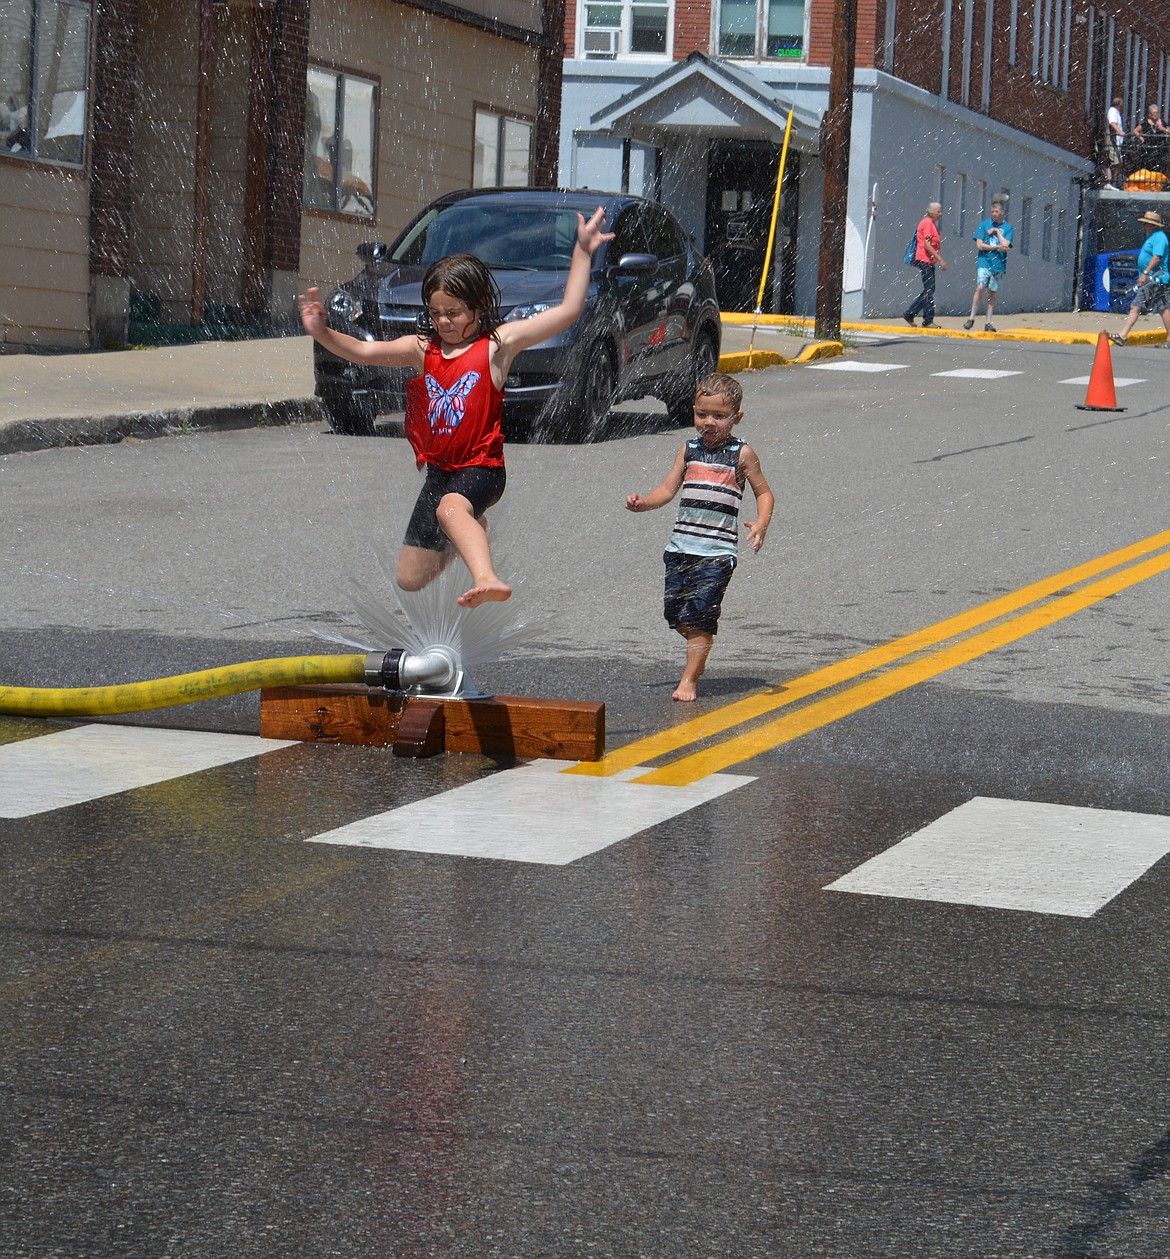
(503, 151)
(44, 79)
(1060, 238)
(762, 28)
(961, 205)
(1025, 226)
(625, 28)
(341, 134)
(1046, 235)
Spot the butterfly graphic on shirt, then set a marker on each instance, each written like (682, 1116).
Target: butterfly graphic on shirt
(445, 406)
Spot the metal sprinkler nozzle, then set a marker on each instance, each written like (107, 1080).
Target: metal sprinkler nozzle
(434, 671)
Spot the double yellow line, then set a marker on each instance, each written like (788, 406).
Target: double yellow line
(1008, 618)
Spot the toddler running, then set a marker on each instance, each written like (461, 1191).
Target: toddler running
(711, 470)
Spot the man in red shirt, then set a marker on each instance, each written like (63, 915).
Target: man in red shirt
(927, 254)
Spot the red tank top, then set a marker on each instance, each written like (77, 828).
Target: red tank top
(454, 410)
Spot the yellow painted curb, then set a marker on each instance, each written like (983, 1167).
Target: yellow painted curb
(738, 362)
(820, 349)
(1041, 335)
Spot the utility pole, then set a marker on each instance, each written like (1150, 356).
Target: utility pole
(836, 128)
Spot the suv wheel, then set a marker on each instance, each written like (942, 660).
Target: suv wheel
(349, 417)
(703, 361)
(577, 413)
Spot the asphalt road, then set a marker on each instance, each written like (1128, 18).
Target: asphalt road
(220, 1039)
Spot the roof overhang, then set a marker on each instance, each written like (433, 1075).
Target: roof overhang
(709, 98)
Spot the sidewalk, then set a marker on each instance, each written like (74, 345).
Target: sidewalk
(51, 400)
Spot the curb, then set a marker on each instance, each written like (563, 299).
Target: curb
(1040, 335)
(25, 436)
(753, 360)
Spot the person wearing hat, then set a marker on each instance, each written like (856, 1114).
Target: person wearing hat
(1151, 296)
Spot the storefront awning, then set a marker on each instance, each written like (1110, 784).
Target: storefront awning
(713, 98)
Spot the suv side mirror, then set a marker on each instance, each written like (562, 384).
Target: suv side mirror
(637, 264)
(372, 251)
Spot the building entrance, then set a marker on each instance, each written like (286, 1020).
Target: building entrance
(741, 182)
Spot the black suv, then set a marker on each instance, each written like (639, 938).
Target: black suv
(650, 326)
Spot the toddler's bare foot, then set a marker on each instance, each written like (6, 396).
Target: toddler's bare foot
(486, 592)
(685, 691)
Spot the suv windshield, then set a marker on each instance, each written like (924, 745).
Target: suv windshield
(528, 237)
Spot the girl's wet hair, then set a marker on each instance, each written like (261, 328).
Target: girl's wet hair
(468, 278)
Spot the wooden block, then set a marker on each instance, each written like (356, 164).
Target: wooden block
(330, 714)
(506, 725)
(420, 728)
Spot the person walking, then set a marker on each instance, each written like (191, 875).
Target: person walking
(993, 239)
(927, 255)
(1114, 139)
(1152, 294)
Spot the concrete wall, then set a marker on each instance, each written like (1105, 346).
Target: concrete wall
(44, 256)
(912, 135)
(434, 73)
(163, 214)
(228, 156)
(901, 133)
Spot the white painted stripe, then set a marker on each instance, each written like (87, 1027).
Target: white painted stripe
(1009, 854)
(531, 813)
(53, 771)
(854, 365)
(977, 373)
(1119, 382)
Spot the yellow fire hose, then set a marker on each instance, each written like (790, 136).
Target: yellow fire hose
(184, 688)
(436, 667)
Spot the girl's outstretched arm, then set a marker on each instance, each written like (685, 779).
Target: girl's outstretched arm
(518, 336)
(401, 352)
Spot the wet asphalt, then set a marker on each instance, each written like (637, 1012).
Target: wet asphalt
(218, 1039)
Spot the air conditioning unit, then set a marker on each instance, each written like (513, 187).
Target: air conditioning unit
(601, 42)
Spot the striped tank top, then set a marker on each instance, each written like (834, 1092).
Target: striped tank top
(708, 509)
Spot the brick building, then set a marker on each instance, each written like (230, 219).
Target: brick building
(954, 100)
(179, 168)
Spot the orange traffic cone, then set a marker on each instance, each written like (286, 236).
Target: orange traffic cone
(1101, 396)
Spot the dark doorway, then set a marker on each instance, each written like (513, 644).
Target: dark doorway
(741, 182)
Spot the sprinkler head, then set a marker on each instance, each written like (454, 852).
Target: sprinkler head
(434, 671)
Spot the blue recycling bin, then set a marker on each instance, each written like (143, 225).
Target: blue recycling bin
(1109, 281)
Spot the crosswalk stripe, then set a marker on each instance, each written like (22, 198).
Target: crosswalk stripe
(1013, 854)
(854, 365)
(977, 373)
(1119, 382)
(67, 767)
(533, 813)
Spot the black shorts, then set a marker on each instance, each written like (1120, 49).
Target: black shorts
(694, 589)
(482, 487)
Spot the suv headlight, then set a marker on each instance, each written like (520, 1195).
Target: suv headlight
(526, 312)
(345, 306)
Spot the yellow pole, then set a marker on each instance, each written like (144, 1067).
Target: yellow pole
(771, 237)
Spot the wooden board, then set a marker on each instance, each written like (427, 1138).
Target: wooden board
(505, 725)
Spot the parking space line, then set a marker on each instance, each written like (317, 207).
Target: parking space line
(686, 733)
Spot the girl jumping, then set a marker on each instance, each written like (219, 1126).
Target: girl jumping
(454, 408)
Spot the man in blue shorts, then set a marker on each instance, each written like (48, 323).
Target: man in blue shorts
(993, 239)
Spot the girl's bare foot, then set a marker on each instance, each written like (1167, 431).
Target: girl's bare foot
(685, 691)
(486, 592)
